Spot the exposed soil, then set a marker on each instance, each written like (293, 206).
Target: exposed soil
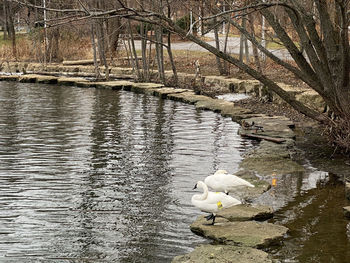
(273, 109)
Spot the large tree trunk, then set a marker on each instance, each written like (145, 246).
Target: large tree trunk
(114, 29)
(10, 26)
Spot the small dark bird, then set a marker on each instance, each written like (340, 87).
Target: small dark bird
(252, 126)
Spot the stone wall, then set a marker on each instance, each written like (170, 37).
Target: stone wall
(221, 83)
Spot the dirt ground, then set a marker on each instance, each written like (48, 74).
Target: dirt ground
(273, 109)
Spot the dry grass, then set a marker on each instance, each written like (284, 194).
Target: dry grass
(338, 133)
(73, 47)
(29, 49)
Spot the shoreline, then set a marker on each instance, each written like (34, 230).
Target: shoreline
(265, 159)
(277, 155)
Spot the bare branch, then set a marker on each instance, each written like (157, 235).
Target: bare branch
(83, 6)
(49, 9)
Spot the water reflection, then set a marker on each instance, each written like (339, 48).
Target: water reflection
(318, 228)
(103, 176)
(310, 205)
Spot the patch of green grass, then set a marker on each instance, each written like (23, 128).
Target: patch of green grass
(4, 42)
(275, 43)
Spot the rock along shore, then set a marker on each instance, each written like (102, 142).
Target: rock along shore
(240, 231)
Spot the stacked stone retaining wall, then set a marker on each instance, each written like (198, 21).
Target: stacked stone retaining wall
(221, 83)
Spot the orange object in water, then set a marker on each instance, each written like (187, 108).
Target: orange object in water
(274, 181)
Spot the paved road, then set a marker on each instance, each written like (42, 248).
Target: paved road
(232, 47)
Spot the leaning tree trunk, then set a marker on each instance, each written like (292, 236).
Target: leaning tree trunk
(290, 99)
(324, 67)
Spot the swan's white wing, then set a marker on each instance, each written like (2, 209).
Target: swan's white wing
(224, 199)
(214, 184)
(214, 202)
(225, 182)
(230, 181)
(220, 172)
(206, 205)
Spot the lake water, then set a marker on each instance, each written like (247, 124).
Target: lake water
(92, 175)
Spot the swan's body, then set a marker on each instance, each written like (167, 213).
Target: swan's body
(212, 202)
(224, 182)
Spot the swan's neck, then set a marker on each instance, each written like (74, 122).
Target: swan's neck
(205, 192)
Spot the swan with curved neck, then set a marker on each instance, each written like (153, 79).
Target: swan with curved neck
(222, 181)
(212, 202)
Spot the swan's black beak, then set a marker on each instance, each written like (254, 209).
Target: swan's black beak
(195, 187)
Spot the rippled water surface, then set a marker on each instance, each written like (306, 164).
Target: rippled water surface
(103, 176)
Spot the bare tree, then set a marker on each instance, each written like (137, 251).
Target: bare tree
(324, 66)
(321, 30)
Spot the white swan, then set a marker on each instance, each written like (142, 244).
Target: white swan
(222, 181)
(212, 202)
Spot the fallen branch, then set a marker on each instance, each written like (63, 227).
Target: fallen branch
(263, 137)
